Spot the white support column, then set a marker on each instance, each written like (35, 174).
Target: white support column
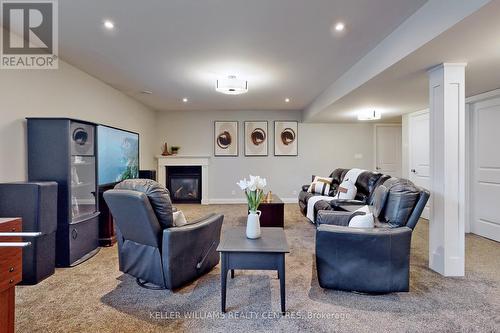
(447, 138)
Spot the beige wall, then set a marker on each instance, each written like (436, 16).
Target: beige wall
(66, 92)
(69, 92)
(322, 148)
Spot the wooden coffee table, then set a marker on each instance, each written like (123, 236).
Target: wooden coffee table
(273, 213)
(265, 253)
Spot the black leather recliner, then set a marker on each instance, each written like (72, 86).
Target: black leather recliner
(374, 260)
(36, 204)
(150, 248)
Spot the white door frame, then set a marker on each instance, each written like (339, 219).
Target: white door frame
(470, 154)
(410, 155)
(376, 127)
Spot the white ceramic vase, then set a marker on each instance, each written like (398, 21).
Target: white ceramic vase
(253, 225)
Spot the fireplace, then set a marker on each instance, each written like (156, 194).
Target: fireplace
(202, 161)
(184, 183)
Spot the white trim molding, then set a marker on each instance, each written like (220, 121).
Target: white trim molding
(484, 96)
(238, 201)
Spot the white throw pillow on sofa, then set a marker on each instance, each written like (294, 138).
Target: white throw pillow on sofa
(320, 185)
(179, 219)
(347, 190)
(364, 220)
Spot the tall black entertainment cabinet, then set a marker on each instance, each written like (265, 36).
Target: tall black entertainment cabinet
(64, 150)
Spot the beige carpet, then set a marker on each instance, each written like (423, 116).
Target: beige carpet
(96, 297)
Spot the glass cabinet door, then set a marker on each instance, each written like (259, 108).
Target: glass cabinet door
(83, 186)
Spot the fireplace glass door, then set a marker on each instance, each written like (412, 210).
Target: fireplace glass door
(184, 184)
(185, 188)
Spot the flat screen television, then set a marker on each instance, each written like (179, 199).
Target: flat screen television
(117, 155)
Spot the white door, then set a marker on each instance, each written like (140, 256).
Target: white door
(485, 173)
(388, 149)
(419, 152)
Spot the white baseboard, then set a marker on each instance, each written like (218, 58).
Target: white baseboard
(234, 201)
(290, 200)
(225, 201)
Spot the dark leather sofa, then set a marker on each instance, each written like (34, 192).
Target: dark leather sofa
(366, 184)
(150, 248)
(374, 260)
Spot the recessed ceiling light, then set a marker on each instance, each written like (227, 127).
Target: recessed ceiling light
(287, 100)
(109, 24)
(185, 100)
(339, 26)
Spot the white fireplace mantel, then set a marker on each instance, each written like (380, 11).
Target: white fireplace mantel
(185, 160)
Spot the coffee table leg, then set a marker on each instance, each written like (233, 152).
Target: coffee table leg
(281, 274)
(223, 281)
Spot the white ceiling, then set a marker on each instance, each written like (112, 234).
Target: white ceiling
(177, 48)
(403, 87)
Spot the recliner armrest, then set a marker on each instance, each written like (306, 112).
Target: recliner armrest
(376, 232)
(332, 217)
(305, 187)
(184, 248)
(347, 202)
(346, 205)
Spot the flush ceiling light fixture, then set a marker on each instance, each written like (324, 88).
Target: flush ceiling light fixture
(185, 100)
(287, 100)
(231, 86)
(369, 115)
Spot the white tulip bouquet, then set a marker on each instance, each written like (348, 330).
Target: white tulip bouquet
(254, 190)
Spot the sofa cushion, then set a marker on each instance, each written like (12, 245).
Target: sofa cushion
(304, 196)
(158, 196)
(380, 181)
(322, 205)
(365, 183)
(338, 175)
(379, 200)
(403, 195)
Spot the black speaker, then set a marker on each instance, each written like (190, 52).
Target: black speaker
(147, 174)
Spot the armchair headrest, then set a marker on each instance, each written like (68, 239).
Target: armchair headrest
(134, 216)
(402, 203)
(158, 196)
